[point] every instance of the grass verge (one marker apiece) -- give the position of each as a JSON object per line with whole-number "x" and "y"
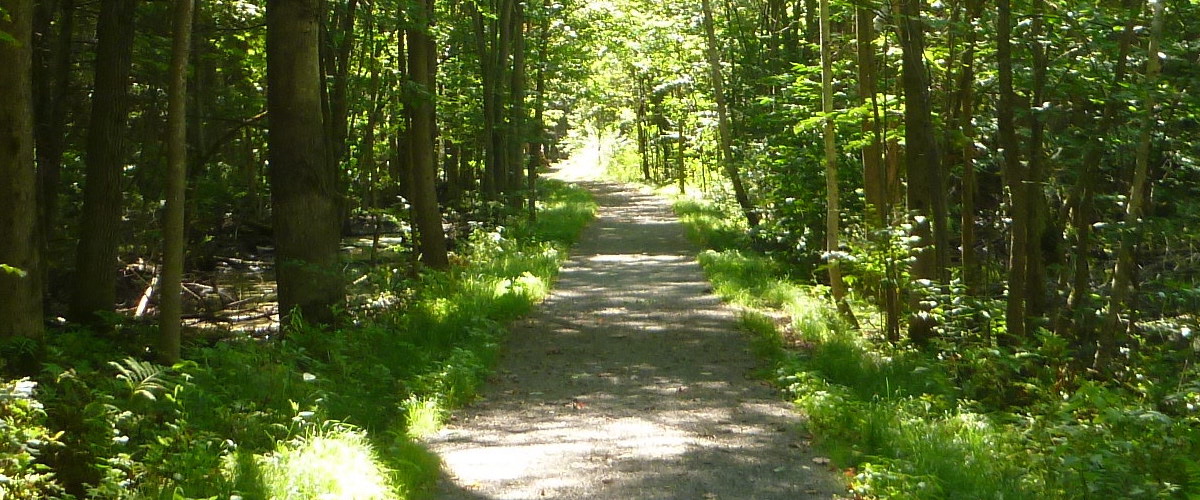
{"x": 899, "y": 423}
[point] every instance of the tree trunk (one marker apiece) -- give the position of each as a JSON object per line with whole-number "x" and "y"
{"x": 1083, "y": 192}
{"x": 875, "y": 175}
{"x": 304, "y": 191}
{"x": 1014, "y": 174}
{"x": 642, "y": 135}
{"x": 52, "y": 79}
{"x": 832, "y": 211}
{"x": 966, "y": 102}
{"x": 517, "y": 122}
{"x": 169, "y": 308}
{"x": 339, "y": 101}
{"x": 1122, "y": 281}
{"x": 96, "y": 259}
{"x": 20, "y": 276}
{"x": 926, "y": 181}
{"x": 538, "y": 154}
{"x": 1035, "y": 259}
{"x": 723, "y": 127}
{"x": 422, "y": 60}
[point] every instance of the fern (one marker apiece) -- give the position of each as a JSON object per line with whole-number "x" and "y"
{"x": 142, "y": 378}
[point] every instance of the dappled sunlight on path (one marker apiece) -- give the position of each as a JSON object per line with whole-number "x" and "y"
{"x": 630, "y": 382}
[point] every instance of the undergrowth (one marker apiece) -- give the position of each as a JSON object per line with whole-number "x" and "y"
{"x": 930, "y": 424}
{"x": 319, "y": 414}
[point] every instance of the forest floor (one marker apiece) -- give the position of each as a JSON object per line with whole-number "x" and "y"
{"x": 630, "y": 382}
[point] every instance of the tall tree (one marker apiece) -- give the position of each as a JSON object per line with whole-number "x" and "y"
{"x": 20, "y": 276}
{"x": 875, "y": 172}
{"x": 926, "y": 180}
{"x": 1014, "y": 174}
{"x": 304, "y": 192}
{"x": 518, "y": 124}
{"x": 1135, "y": 208}
{"x": 52, "y": 85}
{"x": 339, "y": 64}
{"x": 724, "y": 130}
{"x": 422, "y": 68}
{"x": 966, "y": 114}
{"x": 96, "y": 258}
{"x": 832, "y": 209}
{"x": 173, "y": 223}
{"x": 1083, "y": 192}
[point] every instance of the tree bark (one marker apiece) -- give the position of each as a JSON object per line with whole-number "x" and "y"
{"x": 52, "y": 79}
{"x": 926, "y": 181}
{"x": 518, "y": 126}
{"x": 1035, "y": 259}
{"x": 966, "y": 101}
{"x": 304, "y": 191}
{"x": 422, "y": 60}
{"x": 170, "y": 306}
{"x": 723, "y": 126}
{"x": 21, "y": 279}
{"x": 874, "y": 176}
{"x": 1014, "y": 174}
{"x": 537, "y": 157}
{"x": 96, "y": 258}
{"x": 339, "y": 100}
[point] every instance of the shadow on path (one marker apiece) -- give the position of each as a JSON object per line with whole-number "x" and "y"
{"x": 631, "y": 381}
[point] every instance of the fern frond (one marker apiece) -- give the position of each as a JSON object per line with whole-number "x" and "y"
{"x": 142, "y": 378}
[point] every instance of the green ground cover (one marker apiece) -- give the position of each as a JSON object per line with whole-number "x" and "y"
{"x": 907, "y": 423}
{"x": 322, "y": 413}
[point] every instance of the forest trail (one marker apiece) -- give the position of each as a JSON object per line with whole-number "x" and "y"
{"x": 630, "y": 382}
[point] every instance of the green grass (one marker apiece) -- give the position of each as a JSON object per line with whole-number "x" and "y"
{"x": 333, "y": 463}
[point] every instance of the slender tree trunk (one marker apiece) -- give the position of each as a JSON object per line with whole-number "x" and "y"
{"x": 52, "y": 80}
{"x": 96, "y": 258}
{"x": 832, "y": 209}
{"x": 173, "y": 223}
{"x": 304, "y": 191}
{"x": 1122, "y": 282}
{"x": 723, "y": 126}
{"x": 339, "y": 101}
{"x": 1016, "y": 176}
{"x": 1083, "y": 192}
{"x": 21, "y": 277}
{"x": 422, "y": 60}
{"x": 367, "y": 163}
{"x": 926, "y": 181}
{"x": 966, "y": 101}
{"x": 874, "y": 176}
{"x": 642, "y": 134}
{"x": 518, "y": 126}
{"x": 538, "y": 155}
{"x": 1035, "y": 260}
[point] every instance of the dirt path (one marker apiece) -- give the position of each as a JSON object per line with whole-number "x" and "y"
{"x": 630, "y": 382}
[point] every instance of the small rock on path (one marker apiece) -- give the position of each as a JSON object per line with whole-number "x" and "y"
{"x": 630, "y": 382}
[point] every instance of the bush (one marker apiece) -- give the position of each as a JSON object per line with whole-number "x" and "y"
{"x": 23, "y": 437}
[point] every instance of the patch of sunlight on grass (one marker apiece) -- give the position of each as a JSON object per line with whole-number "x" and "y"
{"x": 423, "y": 416}
{"x": 333, "y": 464}
{"x": 526, "y": 285}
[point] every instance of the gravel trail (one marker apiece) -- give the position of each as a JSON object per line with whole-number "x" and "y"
{"x": 630, "y": 382}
